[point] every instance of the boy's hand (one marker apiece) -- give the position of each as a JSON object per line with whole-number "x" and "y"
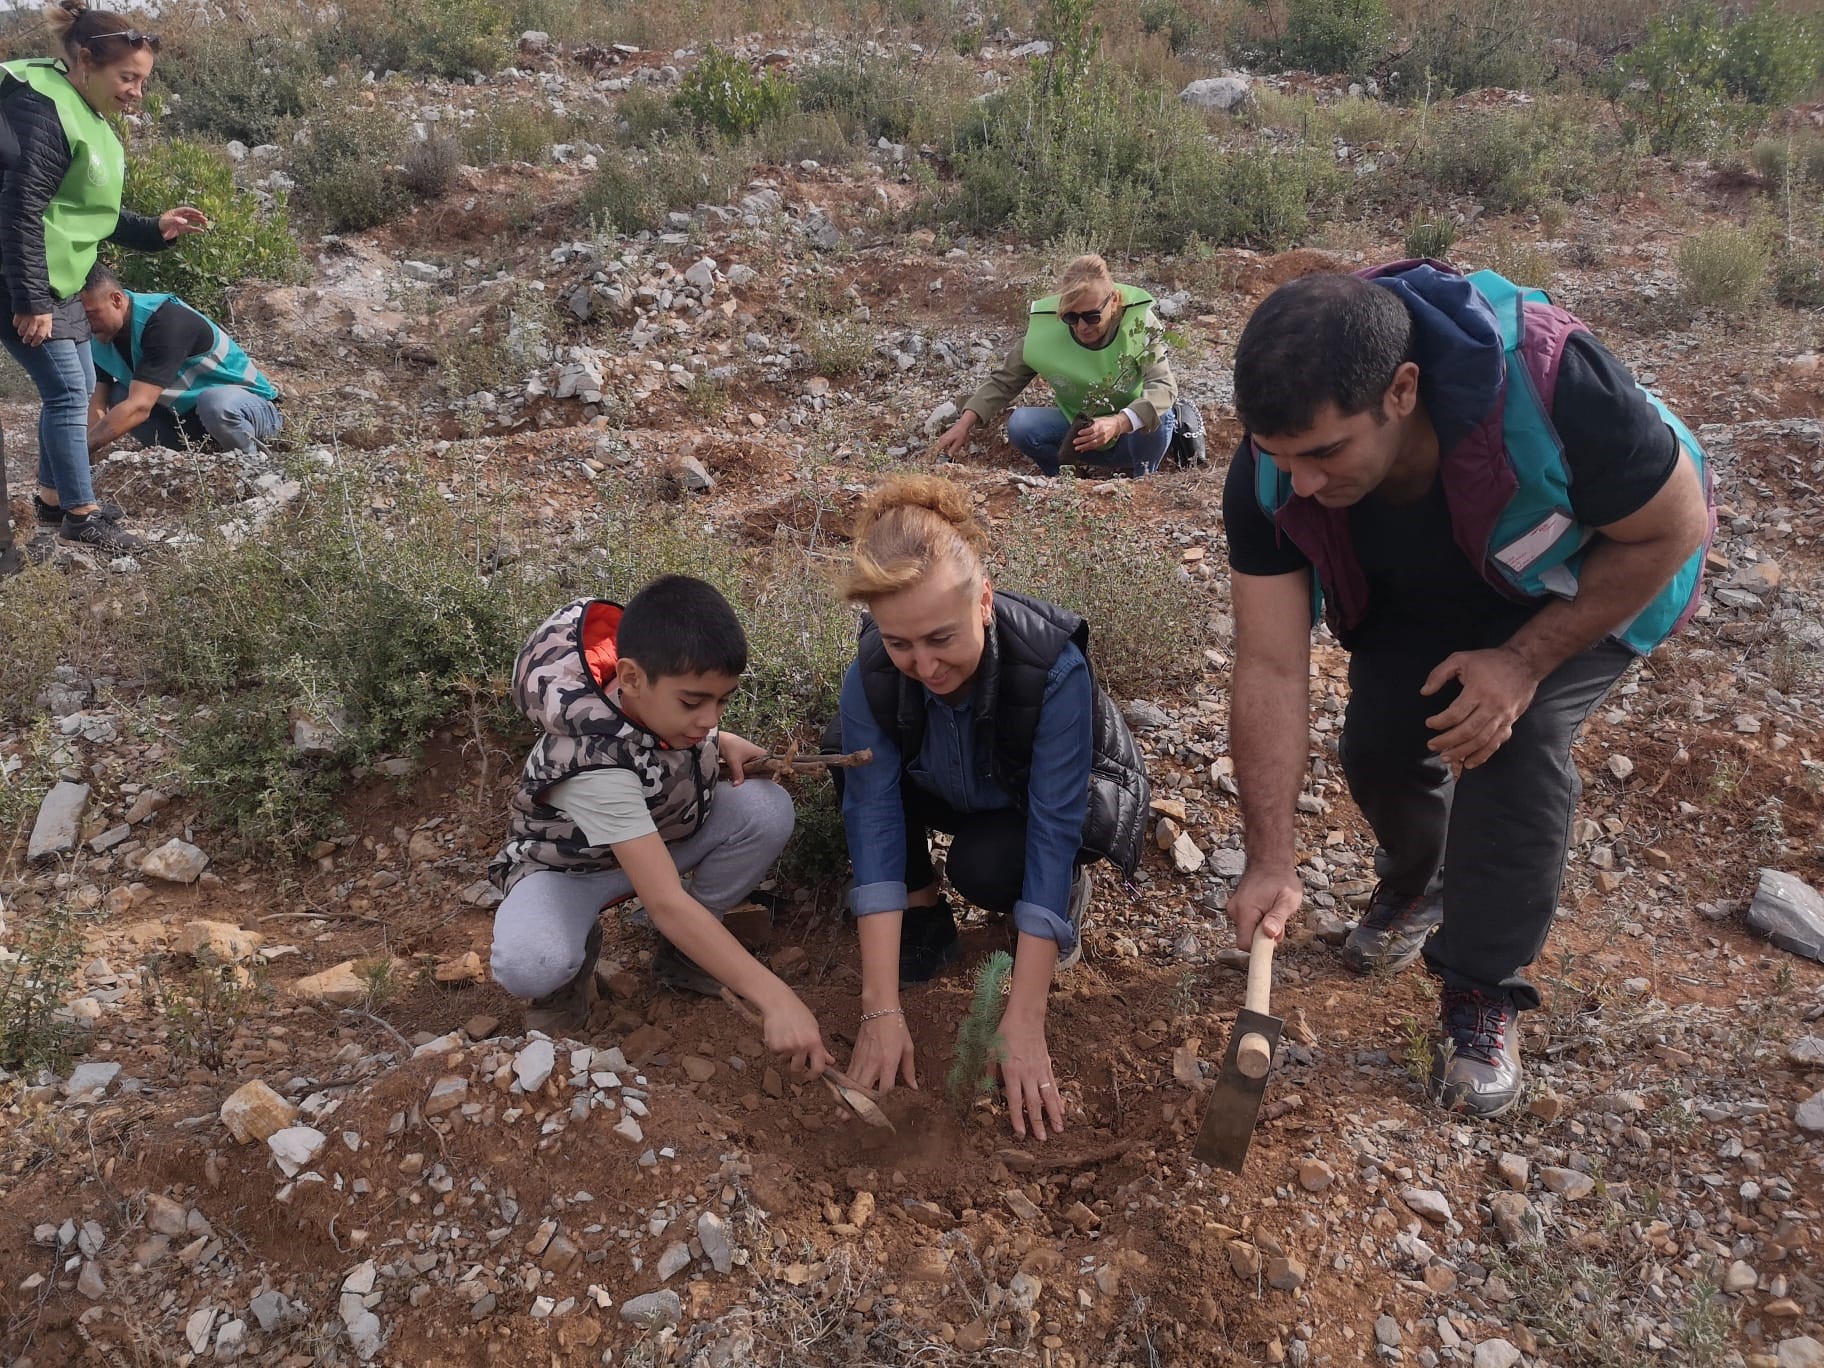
{"x": 740, "y": 753}
{"x": 789, "y": 1029}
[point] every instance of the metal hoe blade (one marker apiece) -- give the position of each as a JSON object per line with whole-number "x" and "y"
{"x": 1228, "y": 1125}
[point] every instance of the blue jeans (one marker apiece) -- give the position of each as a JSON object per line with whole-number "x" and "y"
{"x": 1036, "y": 432}
{"x": 233, "y": 416}
{"x": 64, "y": 375}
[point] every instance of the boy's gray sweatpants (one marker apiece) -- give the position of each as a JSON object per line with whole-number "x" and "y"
{"x": 540, "y": 929}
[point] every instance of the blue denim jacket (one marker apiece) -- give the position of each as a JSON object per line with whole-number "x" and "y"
{"x": 1057, "y": 794}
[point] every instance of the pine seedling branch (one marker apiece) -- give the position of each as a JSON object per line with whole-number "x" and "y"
{"x": 978, "y": 1039}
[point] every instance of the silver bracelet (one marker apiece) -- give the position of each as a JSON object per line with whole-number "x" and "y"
{"x": 866, "y": 1017}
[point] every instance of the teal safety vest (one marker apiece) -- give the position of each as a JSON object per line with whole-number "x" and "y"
{"x": 1532, "y": 547}
{"x": 223, "y": 364}
{"x": 86, "y": 208}
{"x": 1073, "y": 371}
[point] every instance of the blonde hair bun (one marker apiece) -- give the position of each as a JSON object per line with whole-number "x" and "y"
{"x": 62, "y": 15}
{"x": 906, "y": 528}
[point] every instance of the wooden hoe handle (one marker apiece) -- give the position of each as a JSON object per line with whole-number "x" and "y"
{"x": 1254, "y": 1056}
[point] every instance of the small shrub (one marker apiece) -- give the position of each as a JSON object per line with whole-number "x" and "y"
{"x": 205, "y": 1007}
{"x": 1066, "y": 550}
{"x": 634, "y": 190}
{"x": 244, "y": 241}
{"x": 430, "y": 166}
{"x": 819, "y": 849}
{"x": 1793, "y": 159}
{"x": 1431, "y": 237}
{"x": 1512, "y": 159}
{"x": 837, "y": 346}
{"x": 1359, "y": 122}
{"x": 1521, "y": 261}
{"x": 978, "y": 1036}
{"x": 35, "y": 1031}
{"x": 38, "y": 621}
{"x": 645, "y": 117}
{"x": 1456, "y": 46}
{"x": 451, "y": 39}
{"x": 346, "y": 173}
{"x": 1333, "y": 35}
{"x": 498, "y": 352}
{"x": 1798, "y": 278}
{"x": 722, "y": 93}
{"x": 1724, "y": 268}
{"x": 503, "y": 132}
{"x": 233, "y": 80}
{"x": 796, "y": 137}
{"x": 875, "y": 99}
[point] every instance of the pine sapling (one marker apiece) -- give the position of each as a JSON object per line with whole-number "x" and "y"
{"x": 978, "y": 1039}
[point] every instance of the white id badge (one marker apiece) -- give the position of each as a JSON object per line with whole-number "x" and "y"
{"x": 1519, "y": 555}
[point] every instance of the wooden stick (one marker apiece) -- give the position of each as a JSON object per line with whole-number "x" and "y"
{"x": 846, "y": 1090}
{"x": 792, "y": 763}
{"x": 1253, "y": 1056}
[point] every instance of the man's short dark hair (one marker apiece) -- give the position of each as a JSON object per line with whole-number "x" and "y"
{"x": 677, "y": 626}
{"x": 1321, "y": 339}
{"x": 101, "y": 278}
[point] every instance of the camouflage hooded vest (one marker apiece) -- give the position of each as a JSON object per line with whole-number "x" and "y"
{"x": 564, "y": 683}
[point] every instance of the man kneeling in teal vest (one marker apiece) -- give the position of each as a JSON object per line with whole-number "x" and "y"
{"x": 168, "y": 375}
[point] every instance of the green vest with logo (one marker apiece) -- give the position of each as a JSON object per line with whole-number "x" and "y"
{"x": 86, "y": 207}
{"x": 223, "y": 364}
{"x": 1076, "y": 373}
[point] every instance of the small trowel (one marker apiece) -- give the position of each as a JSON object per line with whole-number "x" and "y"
{"x": 1228, "y": 1126}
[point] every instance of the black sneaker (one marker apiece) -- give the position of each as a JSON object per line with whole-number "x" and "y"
{"x": 568, "y": 1008}
{"x": 679, "y": 972}
{"x": 1477, "y": 1065}
{"x": 92, "y": 529}
{"x": 51, "y": 515}
{"x": 927, "y": 941}
{"x": 1392, "y": 932}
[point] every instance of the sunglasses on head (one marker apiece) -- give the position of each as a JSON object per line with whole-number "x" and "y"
{"x": 1089, "y": 316}
{"x": 133, "y": 37}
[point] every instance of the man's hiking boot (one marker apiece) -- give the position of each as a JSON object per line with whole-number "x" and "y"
{"x": 92, "y": 529}
{"x": 567, "y": 1010}
{"x": 1477, "y": 1065}
{"x": 680, "y": 973}
{"x": 1392, "y": 932}
{"x": 927, "y": 941}
{"x": 51, "y": 515}
{"x": 1077, "y": 910}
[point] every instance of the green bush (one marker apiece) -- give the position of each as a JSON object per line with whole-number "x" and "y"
{"x": 39, "y": 618}
{"x": 646, "y": 117}
{"x": 1462, "y": 45}
{"x": 1514, "y": 158}
{"x": 1128, "y": 165}
{"x": 347, "y": 172}
{"x": 1724, "y": 268}
{"x": 877, "y": 99}
{"x": 505, "y": 132}
{"x": 1065, "y": 548}
{"x": 1795, "y": 159}
{"x": 634, "y": 190}
{"x": 1342, "y": 36}
{"x": 1432, "y": 236}
{"x": 445, "y": 38}
{"x": 430, "y": 166}
{"x": 36, "y": 1032}
{"x": 1798, "y": 278}
{"x": 233, "y": 80}
{"x": 244, "y": 241}
{"x": 1695, "y": 78}
{"x": 377, "y": 632}
{"x": 722, "y": 93}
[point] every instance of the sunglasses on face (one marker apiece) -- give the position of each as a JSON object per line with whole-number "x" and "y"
{"x": 134, "y": 38}
{"x": 1089, "y": 316}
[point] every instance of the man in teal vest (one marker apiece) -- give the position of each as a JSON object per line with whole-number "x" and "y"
{"x": 1496, "y": 521}
{"x": 168, "y": 375}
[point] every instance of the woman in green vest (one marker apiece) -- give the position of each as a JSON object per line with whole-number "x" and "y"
{"x": 1098, "y": 346}
{"x": 59, "y": 202}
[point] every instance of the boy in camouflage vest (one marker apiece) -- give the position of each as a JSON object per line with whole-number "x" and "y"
{"x": 621, "y": 797}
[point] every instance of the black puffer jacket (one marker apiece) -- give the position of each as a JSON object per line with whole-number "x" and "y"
{"x": 1024, "y": 643}
{"x": 32, "y": 178}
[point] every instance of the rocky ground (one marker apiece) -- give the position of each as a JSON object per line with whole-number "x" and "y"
{"x": 353, "y": 1152}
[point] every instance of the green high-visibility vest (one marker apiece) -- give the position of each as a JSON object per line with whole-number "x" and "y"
{"x": 223, "y": 364}
{"x": 86, "y": 208}
{"x": 1073, "y": 370}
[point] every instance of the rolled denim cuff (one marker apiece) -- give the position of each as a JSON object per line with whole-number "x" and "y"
{"x": 1034, "y": 920}
{"x": 867, "y": 899}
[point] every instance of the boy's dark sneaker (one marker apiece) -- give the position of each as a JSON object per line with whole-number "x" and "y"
{"x": 51, "y": 515}
{"x": 568, "y": 1008}
{"x": 750, "y": 922}
{"x": 1077, "y": 910}
{"x": 92, "y": 529}
{"x": 1392, "y": 931}
{"x": 680, "y": 973}
{"x": 927, "y": 941}
{"x": 1477, "y": 1065}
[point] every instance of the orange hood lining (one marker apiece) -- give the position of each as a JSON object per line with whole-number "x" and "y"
{"x": 601, "y": 630}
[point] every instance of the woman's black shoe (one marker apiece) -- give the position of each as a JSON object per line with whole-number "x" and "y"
{"x": 927, "y": 942}
{"x": 51, "y": 515}
{"x": 92, "y": 529}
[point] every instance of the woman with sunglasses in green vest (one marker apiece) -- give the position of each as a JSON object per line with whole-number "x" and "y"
{"x": 1099, "y": 347}
{"x": 59, "y": 202}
